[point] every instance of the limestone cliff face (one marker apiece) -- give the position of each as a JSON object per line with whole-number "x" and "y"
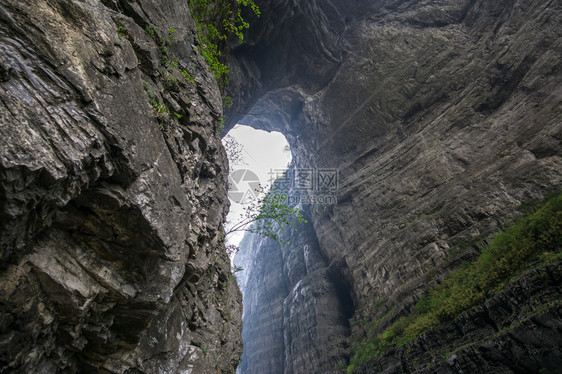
{"x": 296, "y": 309}
{"x": 442, "y": 117}
{"x": 112, "y": 193}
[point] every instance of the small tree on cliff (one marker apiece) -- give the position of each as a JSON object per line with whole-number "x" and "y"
{"x": 268, "y": 216}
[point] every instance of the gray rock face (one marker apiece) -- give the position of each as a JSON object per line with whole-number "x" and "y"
{"x": 518, "y": 330}
{"x": 442, "y": 117}
{"x": 296, "y": 311}
{"x": 111, "y": 205}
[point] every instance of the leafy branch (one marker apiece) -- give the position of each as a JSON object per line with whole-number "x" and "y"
{"x": 216, "y": 21}
{"x": 233, "y": 150}
{"x": 269, "y": 216}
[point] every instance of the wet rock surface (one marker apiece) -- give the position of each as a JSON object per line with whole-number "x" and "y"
{"x": 441, "y": 117}
{"x": 111, "y": 210}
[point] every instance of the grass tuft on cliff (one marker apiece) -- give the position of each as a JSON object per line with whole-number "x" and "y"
{"x": 534, "y": 236}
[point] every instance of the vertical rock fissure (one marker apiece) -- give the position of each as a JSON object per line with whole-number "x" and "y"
{"x": 311, "y": 301}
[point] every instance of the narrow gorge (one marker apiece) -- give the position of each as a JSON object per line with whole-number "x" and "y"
{"x": 419, "y": 130}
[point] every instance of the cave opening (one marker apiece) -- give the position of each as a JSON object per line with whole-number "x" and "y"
{"x": 256, "y": 158}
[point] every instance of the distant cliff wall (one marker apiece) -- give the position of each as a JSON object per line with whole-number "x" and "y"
{"x": 296, "y": 310}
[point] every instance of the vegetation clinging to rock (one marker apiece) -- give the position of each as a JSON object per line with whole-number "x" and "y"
{"x": 217, "y": 21}
{"x": 531, "y": 237}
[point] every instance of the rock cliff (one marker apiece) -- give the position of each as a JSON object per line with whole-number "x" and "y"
{"x": 442, "y": 118}
{"x": 296, "y": 310}
{"x": 112, "y": 193}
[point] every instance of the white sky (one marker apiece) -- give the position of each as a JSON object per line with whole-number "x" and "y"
{"x": 262, "y": 153}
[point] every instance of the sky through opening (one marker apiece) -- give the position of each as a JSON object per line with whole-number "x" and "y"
{"x": 255, "y": 156}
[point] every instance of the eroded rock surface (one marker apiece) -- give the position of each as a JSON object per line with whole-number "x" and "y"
{"x": 112, "y": 184}
{"x": 517, "y": 330}
{"x": 442, "y": 117}
{"x": 296, "y": 310}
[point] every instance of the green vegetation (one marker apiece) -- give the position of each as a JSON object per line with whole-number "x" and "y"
{"x": 463, "y": 246}
{"x": 163, "y": 114}
{"x": 269, "y": 216}
{"x": 151, "y": 30}
{"x": 188, "y": 77}
{"x": 151, "y": 96}
{"x": 236, "y": 269}
{"x": 170, "y": 61}
{"x": 228, "y": 282}
{"x": 122, "y": 31}
{"x": 216, "y": 21}
{"x": 275, "y": 216}
{"x": 221, "y": 124}
{"x": 227, "y": 101}
{"x": 172, "y": 74}
{"x": 532, "y": 237}
{"x": 161, "y": 109}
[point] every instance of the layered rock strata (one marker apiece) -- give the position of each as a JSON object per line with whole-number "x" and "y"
{"x": 442, "y": 117}
{"x": 112, "y": 193}
{"x": 517, "y": 330}
{"x": 296, "y": 310}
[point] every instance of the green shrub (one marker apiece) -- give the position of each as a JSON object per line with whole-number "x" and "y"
{"x": 216, "y": 20}
{"x": 530, "y": 238}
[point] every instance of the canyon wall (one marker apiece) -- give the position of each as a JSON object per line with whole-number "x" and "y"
{"x": 112, "y": 193}
{"x": 296, "y": 309}
{"x": 442, "y": 119}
